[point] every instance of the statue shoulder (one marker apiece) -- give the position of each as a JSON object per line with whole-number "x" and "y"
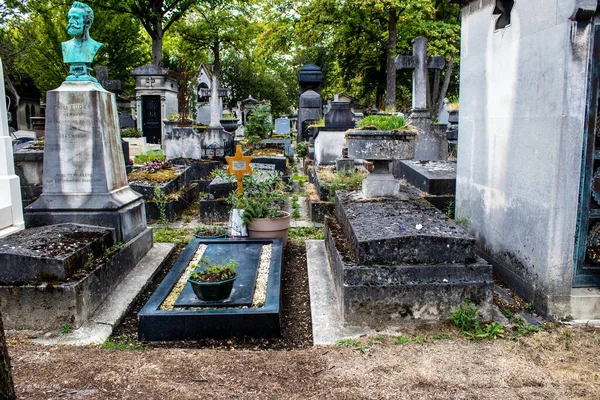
{"x": 96, "y": 45}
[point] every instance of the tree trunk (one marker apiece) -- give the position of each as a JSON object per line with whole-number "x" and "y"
{"x": 7, "y": 390}
{"x": 390, "y": 94}
{"x": 157, "y": 43}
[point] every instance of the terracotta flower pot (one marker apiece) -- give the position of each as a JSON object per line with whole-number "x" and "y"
{"x": 270, "y": 227}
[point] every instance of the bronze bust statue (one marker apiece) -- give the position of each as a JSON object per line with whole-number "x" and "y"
{"x": 80, "y": 51}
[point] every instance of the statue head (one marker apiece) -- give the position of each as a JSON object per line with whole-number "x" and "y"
{"x": 81, "y": 17}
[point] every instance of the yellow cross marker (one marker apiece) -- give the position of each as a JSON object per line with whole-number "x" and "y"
{"x": 239, "y": 165}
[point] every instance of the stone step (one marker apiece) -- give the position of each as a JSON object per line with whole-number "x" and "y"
{"x": 394, "y": 231}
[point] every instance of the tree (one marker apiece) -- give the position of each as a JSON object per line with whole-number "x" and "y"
{"x": 156, "y": 16}
{"x": 7, "y": 389}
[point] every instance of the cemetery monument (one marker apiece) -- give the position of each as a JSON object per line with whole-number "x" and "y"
{"x": 527, "y": 173}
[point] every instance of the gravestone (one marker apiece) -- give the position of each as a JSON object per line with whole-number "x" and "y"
{"x": 125, "y": 120}
{"x": 102, "y": 76}
{"x": 331, "y": 138}
{"x": 310, "y": 104}
{"x": 432, "y": 143}
{"x": 11, "y": 211}
{"x": 282, "y": 126}
{"x": 183, "y": 143}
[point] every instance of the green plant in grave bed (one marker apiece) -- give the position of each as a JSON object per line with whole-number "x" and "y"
{"x": 261, "y": 198}
{"x": 354, "y": 344}
{"x": 213, "y": 272}
{"x": 466, "y": 318}
{"x": 65, "y": 329}
{"x": 161, "y": 203}
{"x": 149, "y": 157}
{"x": 383, "y": 122}
{"x": 180, "y": 237}
{"x": 131, "y": 133}
{"x": 350, "y": 181}
{"x": 259, "y": 123}
{"x": 302, "y": 149}
{"x": 401, "y": 340}
{"x": 306, "y": 233}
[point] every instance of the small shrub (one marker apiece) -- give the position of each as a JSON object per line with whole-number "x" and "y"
{"x": 259, "y": 123}
{"x": 65, "y": 329}
{"x": 401, "y": 340}
{"x": 302, "y": 149}
{"x": 466, "y": 318}
{"x": 150, "y": 156}
{"x": 383, "y": 122}
{"x": 131, "y": 133}
{"x": 213, "y": 272}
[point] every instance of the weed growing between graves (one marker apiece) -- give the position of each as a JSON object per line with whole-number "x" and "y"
{"x": 161, "y": 202}
{"x": 127, "y": 345}
{"x": 65, "y": 329}
{"x": 354, "y": 344}
{"x": 295, "y": 207}
{"x": 306, "y": 233}
{"x": 181, "y": 237}
{"x": 152, "y": 155}
{"x": 401, "y": 340}
{"x": 466, "y": 318}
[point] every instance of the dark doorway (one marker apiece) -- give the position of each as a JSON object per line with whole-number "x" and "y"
{"x": 587, "y": 250}
{"x": 151, "y": 119}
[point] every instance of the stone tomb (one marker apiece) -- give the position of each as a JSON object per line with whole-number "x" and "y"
{"x": 63, "y": 253}
{"x": 396, "y": 260}
{"x": 84, "y": 172}
{"x": 437, "y": 179}
{"x": 172, "y": 313}
{"x": 182, "y": 143}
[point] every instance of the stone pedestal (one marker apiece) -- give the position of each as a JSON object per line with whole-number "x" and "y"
{"x": 380, "y": 182}
{"x": 11, "y": 212}
{"x": 216, "y": 143}
{"x": 84, "y": 170}
{"x": 432, "y": 143}
{"x": 344, "y": 165}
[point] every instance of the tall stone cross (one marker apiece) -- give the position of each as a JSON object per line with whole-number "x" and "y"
{"x": 102, "y": 76}
{"x": 420, "y": 63}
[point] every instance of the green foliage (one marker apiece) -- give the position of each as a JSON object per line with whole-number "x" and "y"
{"x": 351, "y": 181}
{"x": 123, "y": 345}
{"x": 302, "y": 149}
{"x": 65, "y": 329}
{"x": 377, "y": 339}
{"x": 258, "y": 121}
{"x": 114, "y": 248}
{"x": 161, "y": 202}
{"x": 383, "y": 122}
{"x": 401, "y": 340}
{"x": 462, "y": 220}
{"x": 295, "y": 207}
{"x": 149, "y": 157}
{"x": 466, "y": 318}
{"x": 131, "y": 133}
{"x": 209, "y": 272}
{"x": 223, "y": 175}
{"x": 262, "y": 197}
{"x": 306, "y": 233}
{"x": 180, "y": 237}
{"x": 354, "y": 344}
{"x": 440, "y": 336}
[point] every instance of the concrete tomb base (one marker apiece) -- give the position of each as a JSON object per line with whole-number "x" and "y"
{"x": 71, "y": 300}
{"x": 394, "y": 261}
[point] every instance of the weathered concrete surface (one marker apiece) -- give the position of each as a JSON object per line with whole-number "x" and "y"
{"x": 328, "y": 146}
{"x": 49, "y": 307}
{"x": 395, "y": 231}
{"x": 54, "y": 251}
{"x": 381, "y": 145}
{"x": 182, "y": 143}
{"x": 382, "y": 296}
{"x": 110, "y": 313}
{"x": 522, "y": 121}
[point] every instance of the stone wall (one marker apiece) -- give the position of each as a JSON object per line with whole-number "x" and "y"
{"x": 522, "y": 109}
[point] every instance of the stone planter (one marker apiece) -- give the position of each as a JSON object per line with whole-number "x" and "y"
{"x": 212, "y": 291}
{"x": 270, "y": 227}
{"x": 229, "y": 124}
{"x": 381, "y": 147}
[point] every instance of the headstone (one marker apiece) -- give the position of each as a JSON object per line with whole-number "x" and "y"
{"x": 310, "y": 109}
{"x": 432, "y": 143}
{"x": 182, "y": 143}
{"x": 344, "y": 165}
{"x": 282, "y": 126}
{"x": 216, "y": 143}
{"x": 339, "y": 117}
{"x": 443, "y": 115}
{"x": 102, "y": 76}
{"x": 125, "y": 120}
{"x": 11, "y": 211}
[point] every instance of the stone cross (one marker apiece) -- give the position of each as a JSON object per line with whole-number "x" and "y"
{"x": 150, "y": 80}
{"x": 419, "y": 63}
{"x": 102, "y": 76}
{"x": 239, "y": 165}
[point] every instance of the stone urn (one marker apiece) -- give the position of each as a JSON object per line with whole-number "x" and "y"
{"x": 229, "y": 124}
{"x": 381, "y": 147}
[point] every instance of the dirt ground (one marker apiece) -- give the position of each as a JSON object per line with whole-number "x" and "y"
{"x": 561, "y": 364}
{"x": 438, "y": 363}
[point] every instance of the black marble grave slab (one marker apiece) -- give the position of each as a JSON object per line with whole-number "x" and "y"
{"x": 248, "y": 257}
{"x": 433, "y": 177}
{"x": 156, "y": 324}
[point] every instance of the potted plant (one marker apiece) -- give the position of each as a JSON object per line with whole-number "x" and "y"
{"x": 212, "y": 282}
{"x": 261, "y": 202}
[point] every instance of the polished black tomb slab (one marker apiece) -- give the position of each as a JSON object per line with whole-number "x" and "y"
{"x": 157, "y": 323}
